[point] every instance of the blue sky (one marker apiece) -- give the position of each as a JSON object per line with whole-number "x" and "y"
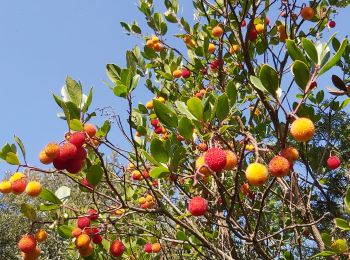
{"x": 41, "y": 42}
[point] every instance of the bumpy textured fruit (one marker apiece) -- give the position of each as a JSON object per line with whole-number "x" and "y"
{"x": 256, "y": 174}
{"x": 197, "y": 206}
{"x": 290, "y": 153}
{"x": 185, "y": 73}
{"x": 117, "y": 248}
{"x": 67, "y": 151}
{"x": 307, "y": 13}
{"x": 156, "y": 248}
{"x": 217, "y": 31}
{"x": 120, "y": 212}
{"x": 5, "y": 187}
{"x": 200, "y": 166}
{"x": 333, "y": 162}
{"x": 76, "y": 232}
{"x": 177, "y": 74}
{"x": 41, "y": 235}
{"x": 252, "y": 35}
{"x": 33, "y": 188}
{"x": 33, "y": 255}
{"x": 136, "y": 175}
{"x": 93, "y": 214}
{"x": 82, "y": 241}
{"x": 52, "y": 150}
{"x": 18, "y": 186}
{"x": 77, "y": 138}
{"x": 17, "y": 176}
{"x": 90, "y": 130}
{"x": 331, "y": 24}
{"x": 158, "y": 47}
{"x": 27, "y": 243}
{"x": 147, "y": 248}
{"x": 74, "y": 166}
{"x": 211, "y": 48}
{"x": 231, "y": 160}
{"x": 86, "y": 251}
{"x": 215, "y": 158}
{"x": 59, "y": 163}
{"x": 81, "y": 154}
{"x": 279, "y": 166}
{"x": 302, "y": 129}
{"x": 44, "y": 159}
{"x": 83, "y": 222}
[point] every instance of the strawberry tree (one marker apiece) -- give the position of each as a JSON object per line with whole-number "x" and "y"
{"x": 238, "y": 154}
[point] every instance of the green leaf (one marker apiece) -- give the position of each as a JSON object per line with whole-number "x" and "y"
{"x": 120, "y": 89}
{"x": 28, "y": 211}
{"x": 88, "y": 100}
{"x": 158, "y": 151}
{"x": 180, "y": 235}
{"x": 257, "y": 83}
{"x": 181, "y": 106}
{"x": 48, "y": 207}
{"x": 196, "y": 108}
{"x": 21, "y": 146}
{"x": 342, "y": 224}
{"x": 269, "y": 79}
{"x": 63, "y": 193}
{"x": 12, "y": 158}
{"x": 324, "y": 253}
{"x": 294, "y": 51}
{"x": 74, "y": 90}
{"x": 222, "y": 107}
{"x": 347, "y": 198}
{"x": 301, "y": 74}
{"x": 49, "y": 196}
{"x": 310, "y": 50}
{"x": 327, "y": 239}
{"x": 76, "y": 125}
{"x": 231, "y": 92}
{"x": 64, "y": 107}
{"x": 166, "y": 115}
{"x": 150, "y": 158}
{"x": 113, "y": 72}
{"x": 335, "y": 58}
{"x": 159, "y": 172}
{"x": 104, "y": 129}
{"x": 94, "y": 174}
{"x": 186, "y": 128}
{"x": 65, "y": 231}
{"x": 134, "y": 82}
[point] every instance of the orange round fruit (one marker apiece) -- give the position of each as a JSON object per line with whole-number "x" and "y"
{"x": 44, "y": 159}
{"x": 279, "y": 166}
{"x": 90, "y": 130}
{"x": 156, "y": 248}
{"x": 177, "y": 74}
{"x": 302, "y": 129}
{"x": 231, "y": 160}
{"x": 200, "y": 166}
{"x": 5, "y": 187}
{"x": 82, "y": 241}
{"x": 259, "y": 28}
{"x": 307, "y": 13}
{"x": 41, "y": 235}
{"x": 150, "y": 44}
{"x": 52, "y": 150}
{"x": 290, "y": 153}
{"x": 33, "y": 255}
{"x": 234, "y": 48}
{"x": 86, "y": 251}
{"x": 256, "y": 174}
{"x": 211, "y": 48}
{"x": 217, "y": 31}
{"x": 27, "y": 243}
{"x": 33, "y": 188}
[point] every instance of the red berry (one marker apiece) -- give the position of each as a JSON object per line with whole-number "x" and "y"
{"x": 155, "y": 122}
{"x": 117, "y": 248}
{"x": 204, "y": 71}
{"x": 331, "y": 24}
{"x": 86, "y": 183}
{"x": 158, "y": 130}
{"x": 252, "y": 35}
{"x": 83, "y": 222}
{"x": 59, "y": 164}
{"x": 93, "y": 214}
{"x": 148, "y": 248}
{"x": 74, "y": 166}
{"x": 313, "y": 84}
{"x": 185, "y": 73}
{"x": 197, "y": 206}
{"x": 81, "y": 154}
{"x": 19, "y": 186}
{"x": 97, "y": 239}
{"x": 215, "y": 158}
{"x": 67, "y": 151}
{"x": 27, "y": 244}
{"x": 333, "y": 162}
{"x": 77, "y": 138}
{"x": 243, "y": 24}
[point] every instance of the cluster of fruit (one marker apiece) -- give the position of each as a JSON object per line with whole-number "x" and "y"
{"x": 17, "y": 184}
{"x": 147, "y": 202}
{"x": 152, "y": 248}
{"x": 154, "y": 44}
{"x": 71, "y": 154}
{"x": 158, "y": 129}
{"x": 28, "y": 245}
{"x": 185, "y": 73}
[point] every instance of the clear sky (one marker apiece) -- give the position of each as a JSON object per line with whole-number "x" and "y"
{"x": 41, "y": 42}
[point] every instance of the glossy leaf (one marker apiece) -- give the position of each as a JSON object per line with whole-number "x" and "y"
{"x": 158, "y": 151}
{"x": 65, "y": 231}
{"x": 21, "y": 146}
{"x": 342, "y": 224}
{"x": 301, "y": 74}
{"x": 49, "y": 196}
{"x": 76, "y": 125}
{"x": 269, "y": 79}
{"x": 94, "y": 174}
{"x": 196, "y": 108}
{"x": 222, "y": 107}
{"x": 294, "y": 51}
{"x": 166, "y": 115}
{"x": 335, "y": 58}
{"x": 159, "y": 172}
{"x": 310, "y": 50}
{"x": 74, "y": 90}
{"x": 186, "y": 128}
{"x": 257, "y": 83}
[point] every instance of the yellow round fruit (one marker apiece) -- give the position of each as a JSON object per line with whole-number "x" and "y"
{"x": 44, "y": 159}
{"x": 259, "y": 28}
{"x": 33, "y": 188}
{"x": 177, "y": 74}
{"x": 307, "y": 13}
{"x": 86, "y": 251}
{"x": 155, "y": 39}
{"x": 52, "y": 150}
{"x": 17, "y": 176}
{"x": 249, "y": 147}
{"x": 120, "y": 212}
{"x": 142, "y": 200}
{"x": 33, "y": 255}
{"x": 200, "y": 166}
{"x": 150, "y": 44}
{"x": 82, "y": 241}
{"x": 256, "y": 174}
{"x": 149, "y": 198}
{"x": 161, "y": 99}
{"x": 234, "y": 49}
{"x": 211, "y": 48}
{"x": 149, "y": 104}
{"x": 302, "y": 129}
{"x": 231, "y": 160}
{"x": 41, "y": 235}
{"x": 5, "y": 187}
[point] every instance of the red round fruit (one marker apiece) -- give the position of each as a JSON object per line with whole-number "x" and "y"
{"x": 90, "y": 130}
{"x": 197, "y": 206}
{"x": 59, "y": 164}
{"x": 185, "y": 73}
{"x": 97, "y": 239}
{"x": 252, "y": 35}
{"x": 215, "y": 158}
{"x": 93, "y": 214}
{"x": 204, "y": 71}
{"x": 86, "y": 183}
{"x": 148, "y": 248}
{"x": 313, "y": 84}
{"x": 83, "y": 222}
{"x": 333, "y": 162}
{"x": 27, "y": 244}
{"x": 18, "y": 186}
{"x": 77, "y": 138}
{"x": 158, "y": 130}
{"x": 67, "y": 151}
{"x": 331, "y": 24}
{"x": 117, "y": 248}
{"x": 81, "y": 154}
{"x": 243, "y": 24}
{"x": 74, "y": 166}
{"x": 155, "y": 122}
